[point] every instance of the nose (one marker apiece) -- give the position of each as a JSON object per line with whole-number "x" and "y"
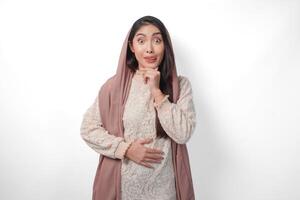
{"x": 149, "y": 51}
{"x": 149, "y": 48}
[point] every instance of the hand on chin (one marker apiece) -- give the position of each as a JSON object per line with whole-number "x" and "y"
{"x": 148, "y": 67}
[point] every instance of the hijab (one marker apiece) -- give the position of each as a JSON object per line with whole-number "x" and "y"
{"x": 112, "y": 99}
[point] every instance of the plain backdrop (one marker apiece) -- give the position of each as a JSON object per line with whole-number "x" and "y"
{"x": 243, "y": 61}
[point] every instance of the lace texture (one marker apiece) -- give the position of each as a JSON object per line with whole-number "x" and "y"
{"x": 178, "y": 120}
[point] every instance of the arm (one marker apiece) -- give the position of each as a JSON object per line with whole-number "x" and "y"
{"x": 98, "y": 138}
{"x": 178, "y": 120}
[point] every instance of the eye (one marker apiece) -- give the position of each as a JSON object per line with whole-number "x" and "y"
{"x": 157, "y": 40}
{"x": 140, "y": 41}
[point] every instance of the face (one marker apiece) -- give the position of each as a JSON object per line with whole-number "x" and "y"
{"x": 148, "y": 46}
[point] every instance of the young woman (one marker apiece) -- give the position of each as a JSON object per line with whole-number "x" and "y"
{"x": 141, "y": 120}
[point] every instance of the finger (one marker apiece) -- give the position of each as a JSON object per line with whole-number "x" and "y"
{"x": 146, "y": 71}
{"x": 151, "y": 74}
{"x": 146, "y": 164}
{"x": 143, "y": 70}
{"x": 154, "y": 151}
{"x": 148, "y": 76}
{"x": 154, "y": 157}
{"x": 150, "y": 71}
{"x": 146, "y": 141}
{"x": 140, "y": 72}
{"x": 151, "y": 160}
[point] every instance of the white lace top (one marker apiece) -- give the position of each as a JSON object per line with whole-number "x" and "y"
{"x": 178, "y": 120}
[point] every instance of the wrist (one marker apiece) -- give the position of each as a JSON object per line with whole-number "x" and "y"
{"x": 158, "y": 97}
{"x": 127, "y": 149}
{"x": 121, "y": 149}
{"x": 156, "y": 93}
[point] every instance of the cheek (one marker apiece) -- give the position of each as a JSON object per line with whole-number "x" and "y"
{"x": 138, "y": 51}
{"x": 160, "y": 51}
{"x": 139, "y": 55}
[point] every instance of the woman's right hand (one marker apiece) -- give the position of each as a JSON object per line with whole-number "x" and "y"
{"x": 142, "y": 155}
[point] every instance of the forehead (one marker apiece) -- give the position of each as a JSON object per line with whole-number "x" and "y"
{"x": 148, "y": 30}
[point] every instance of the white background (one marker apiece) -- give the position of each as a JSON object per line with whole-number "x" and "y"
{"x": 242, "y": 58}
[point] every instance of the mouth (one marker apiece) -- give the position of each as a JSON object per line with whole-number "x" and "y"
{"x": 150, "y": 59}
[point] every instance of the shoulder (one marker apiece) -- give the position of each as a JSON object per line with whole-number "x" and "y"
{"x": 185, "y": 90}
{"x": 106, "y": 86}
{"x": 184, "y": 82}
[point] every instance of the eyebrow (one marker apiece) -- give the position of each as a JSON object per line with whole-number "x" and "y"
{"x": 156, "y": 33}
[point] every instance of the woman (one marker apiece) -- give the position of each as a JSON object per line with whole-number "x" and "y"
{"x": 140, "y": 121}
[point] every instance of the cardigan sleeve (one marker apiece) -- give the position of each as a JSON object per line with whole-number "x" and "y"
{"x": 178, "y": 119}
{"x": 98, "y": 138}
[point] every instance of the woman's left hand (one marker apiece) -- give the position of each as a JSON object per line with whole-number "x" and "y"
{"x": 151, "y": 77}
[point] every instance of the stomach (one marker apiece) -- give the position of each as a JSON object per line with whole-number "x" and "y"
{"x": 146, "y": 183}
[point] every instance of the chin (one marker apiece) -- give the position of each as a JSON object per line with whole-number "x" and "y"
{"x": 153, "y": 66}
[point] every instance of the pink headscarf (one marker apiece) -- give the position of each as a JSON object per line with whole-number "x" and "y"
{"x": 112, "y": 98}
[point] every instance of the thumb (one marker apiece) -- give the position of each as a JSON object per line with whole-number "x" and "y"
{"x": 146, "y": 141}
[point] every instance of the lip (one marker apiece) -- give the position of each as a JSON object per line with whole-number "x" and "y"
{"x": 150, "y": 59}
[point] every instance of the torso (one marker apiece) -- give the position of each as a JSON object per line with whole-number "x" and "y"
{"x": 140, "y": 182}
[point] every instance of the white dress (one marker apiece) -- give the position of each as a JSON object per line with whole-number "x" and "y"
{"x": 178, "y": 120}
